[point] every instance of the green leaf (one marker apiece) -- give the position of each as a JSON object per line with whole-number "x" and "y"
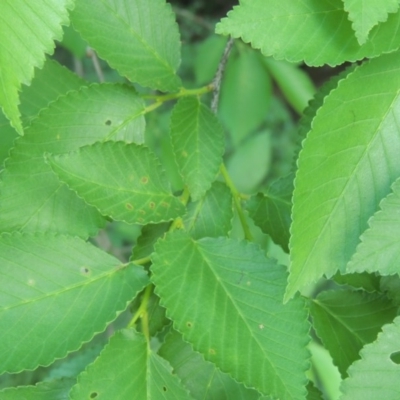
{"x": 346, "y": 167}
{"x": 212, "y": 215}
{"x": 346, "y": 320}
{"x": 128, "y": 370}
{"x": 313, "y": 392}
{"x": 323, "y": 34}
{"x": 57, "y": 292}
{"x": 140, "y": 39}
{"x": 27, "y": 32}
{"x": 226, "y": 299}
{"x": 146, "y": 241}
{"x": 379, "y": 247}
{"x": 124, "y": 181}
{"x": 31, "y": 197}
{"x": 363, "y": 280}
{"x": 271, "y": 210}
{"x": 245, "y": 94}
{"x": 366, "y": 14}
{"x": 53, "y": 390}
{"x": 202, "y": 378}
{"x": 198, "y": 142}
{"x": 376, "y": 375}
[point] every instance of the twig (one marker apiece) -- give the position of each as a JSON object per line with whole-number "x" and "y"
{"x": 218, "y": 76}
{"x": 96, "y": 64}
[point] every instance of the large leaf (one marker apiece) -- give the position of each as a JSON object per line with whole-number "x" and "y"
{"x": 53, "y": 390}
{"x": 149, "y": 236}
{"x": 128, "y": 370}
{"x": 124, "y": 181}
{"x": 202, "y": 378}
{"x": 379, "y": 249}
{"x": 139, "y": 38}
{"x": 271, "y": 210}
{"x": 347, "y": 320}
{"x": 212, "y": 215}
{"x": 365, "y": 14}
{"x": 376, "y": 375}
{"x": 56, "y": 293}
{"x": 346, "y": 167}
{"x": 198, "y": 142}
{"x": 225, "y": 297}
{"x": 31, "y": 197}
{"x": 323, "y": 34}
{"x": 27, "y": 32}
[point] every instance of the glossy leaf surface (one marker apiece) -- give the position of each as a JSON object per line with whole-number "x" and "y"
{"x": 27, "y": 33}
{"x": 226, "y": 299}
{"x": 198, "y": 141}
{"x": 127, "y": 370}
{"x": 140, "y": 39}
{"x": 124, "y": 181}
{"x": 323, "y": 32}
{"x": 346, "y": 167}
{"x": 56, "y": 293}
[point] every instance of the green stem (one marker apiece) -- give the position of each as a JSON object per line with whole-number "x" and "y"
{"x": 182, "y": 93}
{"x": 142, "y": 312}
{"x": 238, "y": 204}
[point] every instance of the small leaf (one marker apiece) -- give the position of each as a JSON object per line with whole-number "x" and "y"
{"x": 53, "y": 390}
{"x": 128, "y": 370}
{"x": 124, "y": 181}
{"x": 313, "y": 392}
{"x": 376, "y": 375}
{"x": 346, "y": 320}
{"x": 32, "y": 199}
{"x": 212, "y": 215}
{"x": 27, "y": 32}
{"x": 366, "y": 14}
{"x": 198, "y": 142}
{"x": 323, "y": 34}
{"x": 346, "y": 167}
{"x": 202, "y": 378}
{"x": 271, "y": 211}
{"x": 139, "y": 38}
{"x": 226, "y": 299}
{"x": 57, "y": 292}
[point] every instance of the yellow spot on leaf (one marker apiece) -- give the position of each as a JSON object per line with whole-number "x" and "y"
{"x": 31, "y": 282}
{"x": 129, "y": 206}
{"x": 144, "y": 180}
{"x": 152, "y": 205}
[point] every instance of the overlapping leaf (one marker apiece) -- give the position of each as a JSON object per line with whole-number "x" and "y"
{"x": 27, "y": 32}
{"x": 146, "y": 241}
{"x": 323, "y": 33}
{"x": 139, "y": 38}
{"x": 376, "y": 375}
{"x": 347, "y": 320}
{"x": 366, "y": 14}
{"x": 31, "y": 197}
{"x": 346, "y": 167}
{"x": 271, "y": 210}
{"x": 225, "y": 297}
{"x": 128, "y": 370}
{"x": 56, "y": 293}
{"x": 198, "y": 142}
{"x": 124, "y": 181}
{"x": 212, "y": 215}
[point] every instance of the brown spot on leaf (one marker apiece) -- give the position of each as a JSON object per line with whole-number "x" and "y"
{"x": 108, "y": 122}
{"x": 152, "y": 205}
{"x": 129, "y": 206}
{"x": 144, "y": 180}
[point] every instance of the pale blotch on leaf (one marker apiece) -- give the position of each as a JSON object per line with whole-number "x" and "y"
{"x": 184, "y": 154}
{"x": 31, "y": 282}
{"x": 189, "y": 324}
{"x": 58, "y": 137}
{"x": 212, "y": 352}
{"x": 142, "y": 212}
{"x": 129, "y": 206}
{"x": 144, "y": 180}
{"x": 164, "y": 204}
{"x": 85, "y": 271}
{"x": 261, "y": 326}
{"x": 152, "y": 205}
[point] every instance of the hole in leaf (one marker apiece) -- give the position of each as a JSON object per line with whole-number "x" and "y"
{"x": 164, "y": 388}
{"x": 395, "y": 357}
{"x": 93, "y": 395}
{"x": 108, "y": 122}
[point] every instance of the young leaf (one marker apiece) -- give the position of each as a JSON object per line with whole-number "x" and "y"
{"x": 345, "y": 168}
{"x": 316, "y": 32}
{"x": 212, "y": 215}
{"x": 128, "y": 370}
{"x": 379, "y": 248}
{"x": 226, "y": 299}
{"x": 375, "y": 376}
{"x": 27, "y": 32}
{"x": 139, "y": 38}
{"x": 346, "y": 320}
{"x": 53, "y": 390}
{"x": 57, "y": 292}
{"x": 202, "y": 378}
{"x": 124, "y": 181}
{"x": 366, "y": 14}
{"x": 271, "y": 210}
{"x": 198, "y": 142}
{"x": 32, "y": 198}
